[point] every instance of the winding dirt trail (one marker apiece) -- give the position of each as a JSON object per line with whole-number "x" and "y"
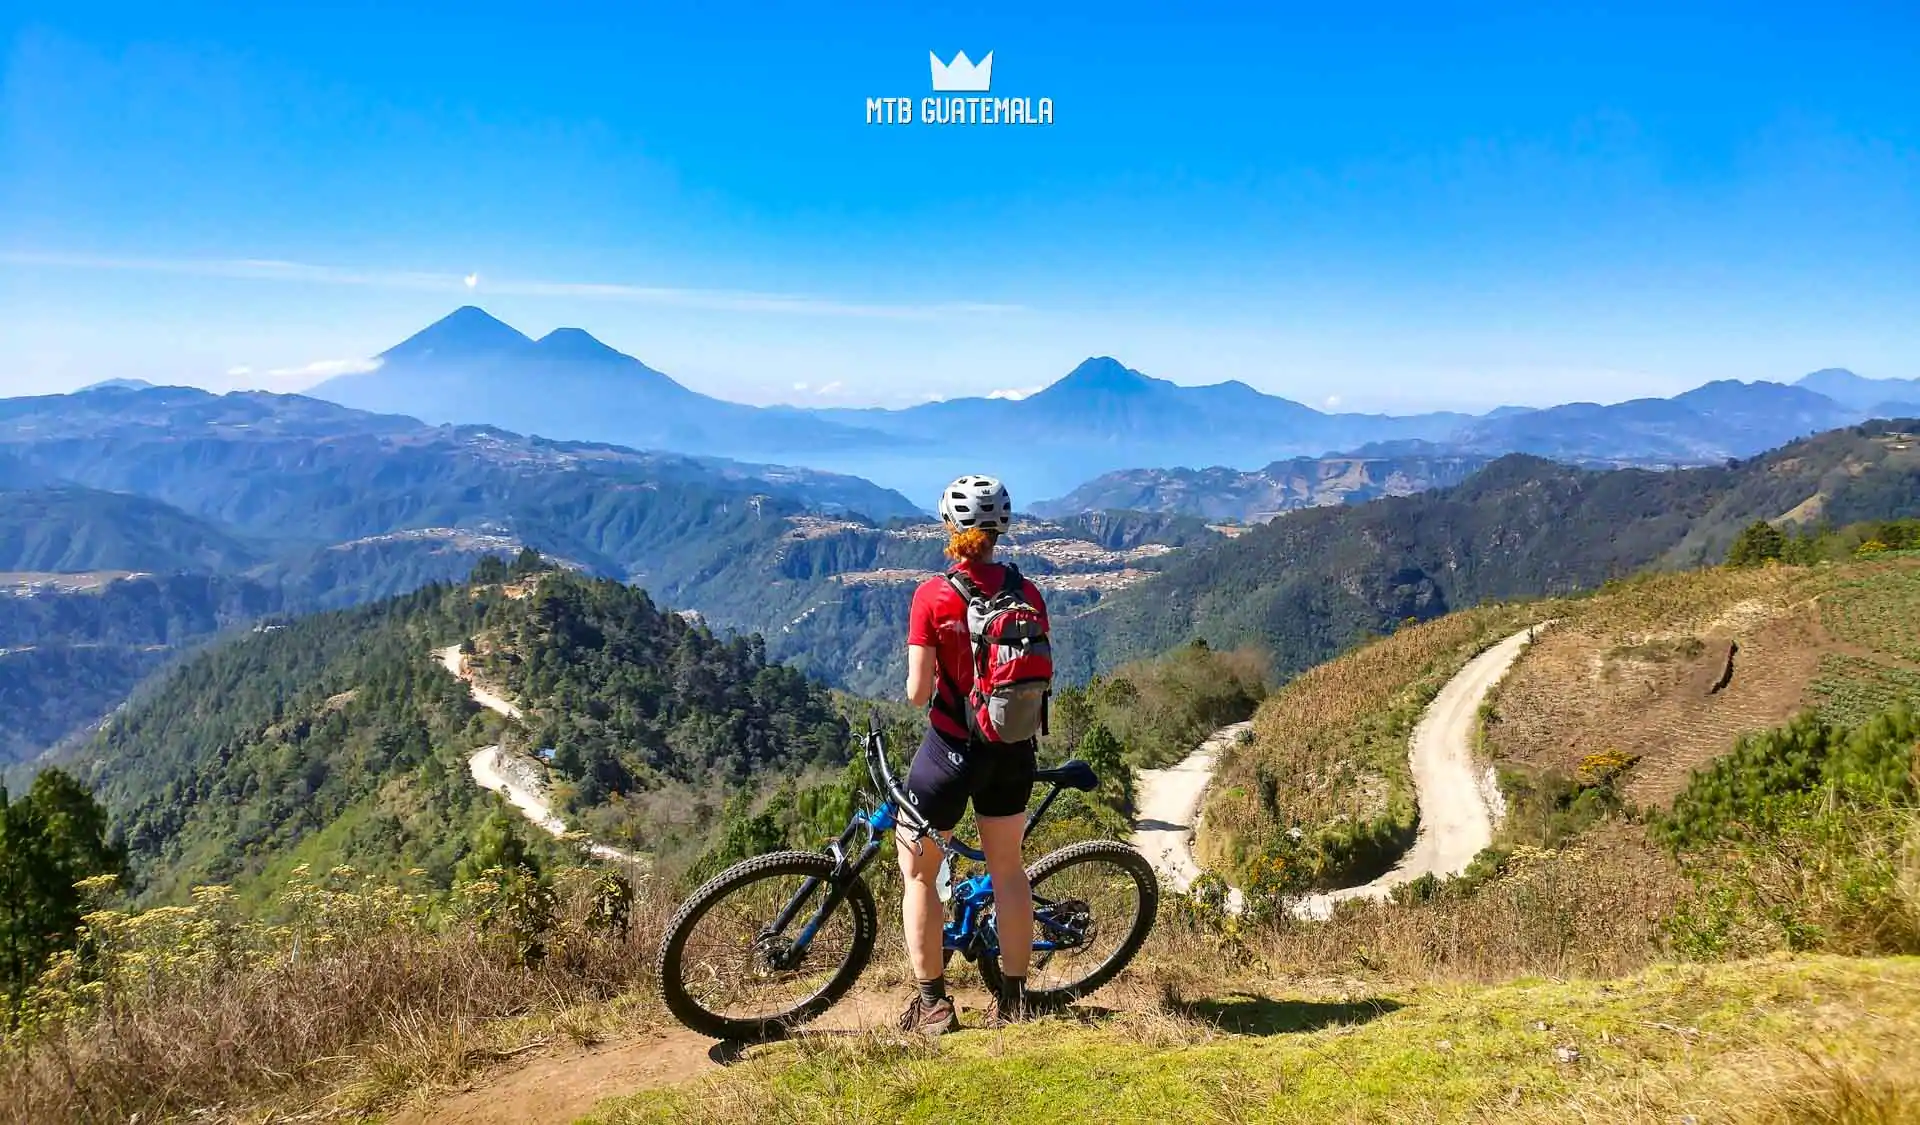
{"x": 515, "y": 776}
{"x": 1457, "y": 799}
{"x": 1169, "y": 804}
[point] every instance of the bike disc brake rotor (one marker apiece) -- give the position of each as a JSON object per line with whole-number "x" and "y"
{"x": 773, "y": 955}
{"x": 1071, "y": 922}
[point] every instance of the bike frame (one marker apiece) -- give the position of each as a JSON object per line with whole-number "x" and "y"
{"x": 963, "y": 933}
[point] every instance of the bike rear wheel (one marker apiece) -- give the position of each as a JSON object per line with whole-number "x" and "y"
{"x": 723, "y": 975}
{"x": 1101, "y": 894}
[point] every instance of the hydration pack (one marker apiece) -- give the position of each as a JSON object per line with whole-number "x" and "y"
{"x": 1012, "y": 661}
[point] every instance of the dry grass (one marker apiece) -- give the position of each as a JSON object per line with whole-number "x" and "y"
{"x": 1637, "y": 669}
{"x": 192, "y": 1011}
{"x": 1330, "y": 749}
{"x": 1592, "y": 908}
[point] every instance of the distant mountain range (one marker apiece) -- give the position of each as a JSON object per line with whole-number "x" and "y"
{"x": 471, "y": 368}
{"x": 69, "y": 528}
{"x": 232, "y": 506}
{"x": 1310, "y": 583}
{"x": 1101, "y": 417}
{"x": 1257, "y": 496}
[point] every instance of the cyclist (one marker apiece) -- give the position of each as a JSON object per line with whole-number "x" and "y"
{"x": 953, "y": 767}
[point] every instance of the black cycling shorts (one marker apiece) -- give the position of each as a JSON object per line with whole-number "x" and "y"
{"x": 998, "y": 776}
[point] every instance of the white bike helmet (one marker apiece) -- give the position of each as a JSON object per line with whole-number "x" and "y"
{"x": 977, "y": 501}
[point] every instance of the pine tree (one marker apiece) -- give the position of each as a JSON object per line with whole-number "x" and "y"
{"x": 1101, "y": 750}
{"x": 50, "y": 839}
{"x": 496, "y": 843}
{"x": 1759, "y": 542}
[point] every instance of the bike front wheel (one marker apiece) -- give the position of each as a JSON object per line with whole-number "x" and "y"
{"x": 1094, "y": 902}
{"x": 725, "y": 972}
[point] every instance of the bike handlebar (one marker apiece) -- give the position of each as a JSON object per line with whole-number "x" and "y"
{"x": 882, "y": 774}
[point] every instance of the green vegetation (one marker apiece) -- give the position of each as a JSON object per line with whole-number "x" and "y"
{"x": 67, "y": 659}
{"x": 51, "y": 840}
{"x": 1799, "y": 841}
{"x": 1802, "y": 839}
{"x": 1789, "y": 1042}
{"x": 1759, "y": 542}
{"x": 624, "y": 693}
{"x": 342, "y": 728}
{"x": 72, "y": 529}
{"x": 1310, "y": 583}
{"x": 1878, "y": 610}
{"x": 1158, "y": 710}
{"x": 1853, "y": 689}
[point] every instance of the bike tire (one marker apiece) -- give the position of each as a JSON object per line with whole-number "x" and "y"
{"x": 670, "y": 969}
{"x": 1147, "y": 889}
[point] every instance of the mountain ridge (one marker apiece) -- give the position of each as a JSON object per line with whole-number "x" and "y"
{"x": 1102, "y": 416}
{"x": 1308, "y": 583}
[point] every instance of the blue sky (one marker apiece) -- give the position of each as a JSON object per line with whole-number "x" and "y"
{"x": 1392, "y": 207}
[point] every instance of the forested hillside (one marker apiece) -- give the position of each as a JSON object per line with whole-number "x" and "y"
{"x": 70, "y": 529}
{"x": 1309, "y": 583}
{"x": 338, "y": 736}
{"x": 69, "y": 656}
{"x": 1258, "y": 495}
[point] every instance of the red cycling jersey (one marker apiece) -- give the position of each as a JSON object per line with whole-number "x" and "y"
{"x": 938, "y": 620}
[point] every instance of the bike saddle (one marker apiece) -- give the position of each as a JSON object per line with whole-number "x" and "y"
{"x": 1074, "y": 774}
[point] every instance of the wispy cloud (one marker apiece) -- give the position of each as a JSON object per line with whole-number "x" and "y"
{"x": 721, "y": 300}
{"x": 325, "y": 369}
{"x": 1015, "y": 394}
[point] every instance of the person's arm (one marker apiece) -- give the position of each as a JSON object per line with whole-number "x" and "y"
{"x": 922, "y": 664}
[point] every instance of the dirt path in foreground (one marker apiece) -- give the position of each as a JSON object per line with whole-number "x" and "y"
{"x": 563, "y": 1084}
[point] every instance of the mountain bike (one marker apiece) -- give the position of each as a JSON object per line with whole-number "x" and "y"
{"x": 775, "y": 940}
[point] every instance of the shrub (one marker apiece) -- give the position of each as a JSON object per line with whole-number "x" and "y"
{"x": 1759, "y": 542}
{"x": 351, "y": 993}
{"x": 1805, "y": 837}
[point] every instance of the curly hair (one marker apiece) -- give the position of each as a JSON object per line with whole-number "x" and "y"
{"x": 973, "y": 545}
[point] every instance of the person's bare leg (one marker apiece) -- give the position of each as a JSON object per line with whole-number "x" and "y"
{"x": 920, "y": 906}
{"x": 1001, "y": 838}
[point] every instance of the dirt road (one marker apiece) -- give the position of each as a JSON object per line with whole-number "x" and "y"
{"x": 1457, "y": 800}
{"x": 516, "y": 776}
{"x": 1169, "y": 804}
{"x": 450, "y": 658}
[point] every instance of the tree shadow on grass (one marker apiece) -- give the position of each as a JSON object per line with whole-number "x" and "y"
{"x": 1243, "y": 1013}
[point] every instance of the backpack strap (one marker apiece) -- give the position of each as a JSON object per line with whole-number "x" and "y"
{"x": 969, "y": 592}
{"x": 947, "y": 697}
{"x": 1013, "y": 582}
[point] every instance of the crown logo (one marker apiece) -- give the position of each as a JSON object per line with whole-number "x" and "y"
{"x": 962, "y": 75}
